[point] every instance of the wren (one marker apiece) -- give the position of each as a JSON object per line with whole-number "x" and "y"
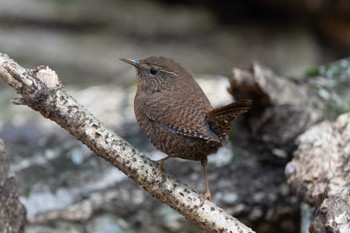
{"x": 175, "y": 114}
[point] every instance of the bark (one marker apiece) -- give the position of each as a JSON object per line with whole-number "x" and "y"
{"x": 12, "y": 212}
{"x": 319, "y": 174}
{"x": 41, "y": 90}
{"x": 281, "y": 118}
{"x": 280, "y": 111}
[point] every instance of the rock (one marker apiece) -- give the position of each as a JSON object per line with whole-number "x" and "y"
{"x": 319, "y": 173}
{"x": 327, "y": 87}
{"x": 55, "y": 227}
{"x": 106, "y": 224}
{"x": 12, "y": 212}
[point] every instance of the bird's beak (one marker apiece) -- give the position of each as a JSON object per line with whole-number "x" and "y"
{"x": 132, "y": 62}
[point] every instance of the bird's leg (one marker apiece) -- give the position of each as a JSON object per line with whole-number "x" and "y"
{"x": 207, "y": 193}
{"x": 161, "y": 162}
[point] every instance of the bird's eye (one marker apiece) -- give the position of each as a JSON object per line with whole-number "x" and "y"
{"x": 153, "y": 71}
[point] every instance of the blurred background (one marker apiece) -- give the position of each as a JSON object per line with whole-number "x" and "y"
{"x": 63, "y": 185}
{"x": 85, "y": 38}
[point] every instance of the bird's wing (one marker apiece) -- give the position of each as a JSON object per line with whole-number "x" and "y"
{"x": 183, "y": 120}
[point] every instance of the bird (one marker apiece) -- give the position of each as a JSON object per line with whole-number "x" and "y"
{"x": 175, "y": 114}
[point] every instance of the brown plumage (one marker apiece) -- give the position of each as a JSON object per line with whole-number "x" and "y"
{"x": 175, "y": 114}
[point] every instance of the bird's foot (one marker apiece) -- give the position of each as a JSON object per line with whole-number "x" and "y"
{"x": 204, "y": 197}
{"x": 161, "y": 167}
{"x": 160, "y": 163}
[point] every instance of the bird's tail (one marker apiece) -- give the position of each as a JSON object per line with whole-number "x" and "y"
{"x": 220, "y": 119}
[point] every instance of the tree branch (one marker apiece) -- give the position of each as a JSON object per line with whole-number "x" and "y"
{"x": 41, "y": 90}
